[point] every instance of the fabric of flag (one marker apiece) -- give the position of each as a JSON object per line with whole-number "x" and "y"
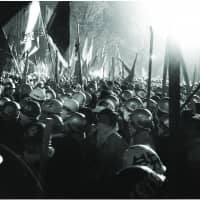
{"x": 78, "y": 68}
{"x": 59, "y": 26}
{"x": 130, "y": 77}
{"x": 5, "y": 53}
{"x": 8, "y": 9}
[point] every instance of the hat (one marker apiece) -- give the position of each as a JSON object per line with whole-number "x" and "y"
{"x": 134, "y": 103}
{"x": 103, "y": 104}
{"x": 142, "y": 118}
{"x": 143, "y": 155}
{"x": 31, "y": 108}
{"x": 71, "y": 104}
{"x": 163, "y": 105}
{"x": 35, "y": 132}
{"x": 38, "y": 94}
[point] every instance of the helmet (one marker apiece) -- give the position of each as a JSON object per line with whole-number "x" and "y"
{"x": 75, "y": 123}
{"x": 152, "y": 104}
{"x": 58, "y": 123}
{"x": 35, "y": 133}
{"x": 163, "y": 105}
{"x": 25, "y": 89}
{"x": 141, "y": 93}
{"x": 88, "y": 98}
{"x": 3, "y": 100}
{"x": 104, "y": 103}
{"x": 50, "y": 94}
{"x": 80, "y": 97}
{"x": 139, "y": 174}
{"x": 143, "y": 155}
{"x": 156, "y": 98}
{"x": 10, "y": 85}
{"x": 126, "y": 95}
{"x": 141, "y": 118}
{"x": 38, "y": 94}
{"x": 114, "y": 99}
{"x": 52, "y": 106}
{"x": 71, "y": 104}
{"x": 31, "y": 109}
{"x": 11, "y": 110}
{"x": 134, "y": 103}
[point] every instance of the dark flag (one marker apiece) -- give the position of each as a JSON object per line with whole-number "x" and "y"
{"x": 5, "y": 52}
{"x": 59, "y": 26}
{"x": 78, "y": 69}
{"x": 8, "y": 9}
{"x": 130, "y": 77}
{"x": 124, "y": 66}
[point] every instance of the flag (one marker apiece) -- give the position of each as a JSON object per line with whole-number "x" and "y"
{"x": 85, "y": 50}
{"x": 78, "y": 69}
{"x": 58, "y": 27}
{"x": 6, "y": 56}
{"x": 130, "y": 77}
{"x": 90, "y": 51}
{"x": 8, "y": 9}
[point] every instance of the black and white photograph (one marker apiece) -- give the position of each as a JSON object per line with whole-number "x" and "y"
{"x": 100, "y": 99}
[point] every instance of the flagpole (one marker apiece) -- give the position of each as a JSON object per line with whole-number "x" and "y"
{"x": 150, "y": 67}
{"x": 166, "y": 63}
{"x": 25, "y": 68}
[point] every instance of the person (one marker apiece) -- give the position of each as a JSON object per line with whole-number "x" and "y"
{"x": 66, "y": 168}
{"x": 140, "y": 126}
{"x": 12, "y": 132}
{"x": 108, "y": 148}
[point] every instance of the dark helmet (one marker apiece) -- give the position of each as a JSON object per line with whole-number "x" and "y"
{"x": 114, "y": 99}
{"x": 141, "y": 118}
{"x": 126, "y": 95}
{"x": 88, "y": 98}
{"x": 163, "y": 105}
{"x": 152, "y": 105}
{"x": 11, "y": 110}
{"x": 31, "y": 109}
{"x": 35, "y": 133}
{"x": 134, "y": 103}
{"x": 25, "y": 89}
{"x": 76, "y": 123}
{"x": 156, "y": 98}
{"x": 58, "y": 124}
{"x": 52, "y": 106}
{"x": 3, "y": 100}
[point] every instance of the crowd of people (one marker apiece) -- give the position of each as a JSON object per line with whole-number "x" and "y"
{"x": 98, "y": 140}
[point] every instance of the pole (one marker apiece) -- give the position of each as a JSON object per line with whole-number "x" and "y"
{"x": 113, "y": 68}
{"x": 174, "y": 89}
{"x": 166, "y": 64}
{"x": 25, "y": 68}
{"x": 56, "y": 68}
{"x": 150, "y": 67}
